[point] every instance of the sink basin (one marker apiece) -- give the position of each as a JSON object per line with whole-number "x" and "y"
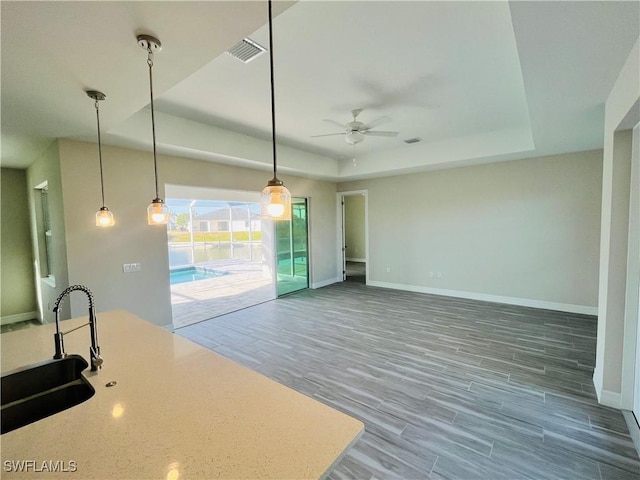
{"x": 35, "y": 392}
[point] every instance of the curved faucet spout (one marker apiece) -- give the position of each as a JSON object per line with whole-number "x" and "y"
{"x": 94, "y": 350}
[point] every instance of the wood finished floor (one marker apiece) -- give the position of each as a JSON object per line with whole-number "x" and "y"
{"x": 447, "y": 388}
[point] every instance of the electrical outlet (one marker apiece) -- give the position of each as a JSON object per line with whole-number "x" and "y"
{"x": 388, "y": 269}
{"x": 430, "y": 274}
{"x": 439, "y": 274}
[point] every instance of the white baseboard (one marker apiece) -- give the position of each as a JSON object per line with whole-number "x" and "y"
{"x": 324, "y": 283}
{"x": 523, "y": 302}
{"x": 597, "y": 382}
{"x": 605, "y": 397}
{"x": 359, "y": 260}
{"x": 18, "y": 317}
{"x": 610, "y": 399}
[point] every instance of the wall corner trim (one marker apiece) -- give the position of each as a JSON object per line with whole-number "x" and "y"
{"x": 597, "y": 382}
{"x": 610, "y": 399}
{"x": 523, "y": 302}
{"x": 605, "y": 397}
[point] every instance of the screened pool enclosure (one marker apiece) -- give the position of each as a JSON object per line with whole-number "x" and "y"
{"x": 223, "y": 257}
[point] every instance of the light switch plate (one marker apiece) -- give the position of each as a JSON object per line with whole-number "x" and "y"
{"x": 131, "y": 267}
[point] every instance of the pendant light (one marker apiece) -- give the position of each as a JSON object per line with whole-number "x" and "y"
{"x": 157, "y": 211}
{"x": 276, "y": 199}
{"x": 104, "y": 217}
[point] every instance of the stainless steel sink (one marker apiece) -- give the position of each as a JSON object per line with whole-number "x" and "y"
{"x": 38, "y": 391}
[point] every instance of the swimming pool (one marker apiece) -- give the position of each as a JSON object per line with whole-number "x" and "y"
{"x": 193, "y": 274}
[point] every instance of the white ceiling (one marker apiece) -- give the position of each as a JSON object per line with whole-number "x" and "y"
{"x": 476, "y": 81}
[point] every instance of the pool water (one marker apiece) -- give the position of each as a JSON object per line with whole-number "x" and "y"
{"x": 193, "y": 274}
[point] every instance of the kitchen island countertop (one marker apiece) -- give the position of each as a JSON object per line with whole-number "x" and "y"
{"x": 178, "y": 411}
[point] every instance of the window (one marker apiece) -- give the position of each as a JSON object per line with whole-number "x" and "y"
{"x": 223, "y": 226}
{"x": 45, "y": 238}
{"x": 204, "y": 226}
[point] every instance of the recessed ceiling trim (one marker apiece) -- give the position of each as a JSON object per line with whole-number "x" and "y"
{"x": 246, "y": 50}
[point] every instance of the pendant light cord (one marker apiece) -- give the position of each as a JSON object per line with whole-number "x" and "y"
{"x": 273, "y": 96}
{"x": 100, "y": 152}
{"x": 153, "y": 119}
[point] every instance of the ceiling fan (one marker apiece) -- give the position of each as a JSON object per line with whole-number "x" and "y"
{"x": 355, "y": 131}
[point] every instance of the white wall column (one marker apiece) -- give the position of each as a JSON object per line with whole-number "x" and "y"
{"x": 620, "y": 109}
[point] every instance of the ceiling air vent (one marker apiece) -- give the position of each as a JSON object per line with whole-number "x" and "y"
{"x": 246, "y": 50}
{"x": 413, "y": 140}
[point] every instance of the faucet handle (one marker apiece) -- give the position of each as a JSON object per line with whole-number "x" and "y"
{"x": 96, "y": 359}
{"x": 96, "y": 362}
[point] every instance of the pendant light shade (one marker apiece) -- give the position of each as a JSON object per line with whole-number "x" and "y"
{"x": 104, "y": 217}
{"x": 157, "y": 211}
{"x": 276, "y": 199}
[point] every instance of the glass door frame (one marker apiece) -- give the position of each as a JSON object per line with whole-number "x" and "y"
{"x": 280, "y": 287}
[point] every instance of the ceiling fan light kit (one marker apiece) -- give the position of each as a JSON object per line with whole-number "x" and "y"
{"x": 355, "y": 131}
{"x": 353, "y": 137}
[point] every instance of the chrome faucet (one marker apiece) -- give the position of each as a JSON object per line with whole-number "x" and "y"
{"x": 94, "y": 350}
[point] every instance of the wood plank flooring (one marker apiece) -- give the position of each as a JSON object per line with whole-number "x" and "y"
{"x": 447, "y": 388}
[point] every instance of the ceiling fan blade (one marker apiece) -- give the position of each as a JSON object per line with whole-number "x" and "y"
{"x": 327, "y": 134}
{"x": 380, "y": 133}
{"x": 377, "y": 121}
{"x": 333, "y": 122}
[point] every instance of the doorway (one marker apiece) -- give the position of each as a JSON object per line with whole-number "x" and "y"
{"x": 218, "y": 253}
{"x": 354, "y": 243}
{"x": 292, "y": 249}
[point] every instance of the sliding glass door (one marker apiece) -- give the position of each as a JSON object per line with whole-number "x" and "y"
{"x": 292, "y": 250}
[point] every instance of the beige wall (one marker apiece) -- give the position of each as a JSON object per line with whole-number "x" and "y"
{"x": 524, "y": 231}
{"x": 354, "y": 230}
{"x": 47, "y": 168}
{"x": 95, "y": 256}
{"x": 17, "y": 287}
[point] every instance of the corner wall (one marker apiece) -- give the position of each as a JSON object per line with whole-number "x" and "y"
{"x": 95, "y": 255}
{"x": 47, "y": 168}
{"x": 524, "y": 232}
{"x": 17, "y": 287}
{"x": 613, "y": 354}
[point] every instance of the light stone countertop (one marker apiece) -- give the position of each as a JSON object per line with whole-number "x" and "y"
{"x": 178, "y": 411}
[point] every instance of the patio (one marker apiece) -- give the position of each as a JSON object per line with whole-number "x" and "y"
{"x": 245, "y": 285}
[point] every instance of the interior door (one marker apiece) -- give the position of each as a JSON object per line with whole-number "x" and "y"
{"x": 292, "y": 250}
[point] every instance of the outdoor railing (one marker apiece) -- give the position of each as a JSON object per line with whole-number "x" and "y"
{"x": 181, "y": 253}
